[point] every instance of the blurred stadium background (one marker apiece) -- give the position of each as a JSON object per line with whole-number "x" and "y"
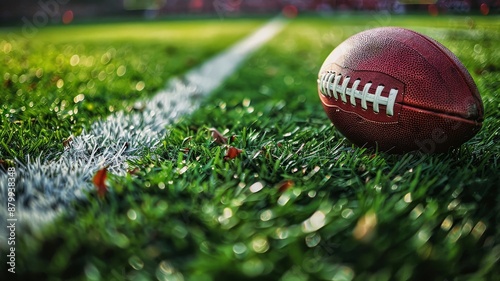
{"x": 54, "y": 11}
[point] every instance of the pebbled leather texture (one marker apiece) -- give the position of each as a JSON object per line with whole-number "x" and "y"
{"x": 438, "y": 105}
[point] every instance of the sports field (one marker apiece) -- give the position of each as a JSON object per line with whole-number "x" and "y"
{"x": 284, "y": 197}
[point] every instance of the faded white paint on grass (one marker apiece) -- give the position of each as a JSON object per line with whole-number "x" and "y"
{"x": 45, "y": 188}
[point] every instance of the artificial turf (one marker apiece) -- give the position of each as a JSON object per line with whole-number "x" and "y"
{"x": 300, "y": 202}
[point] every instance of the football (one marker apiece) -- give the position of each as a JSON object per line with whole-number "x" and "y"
{"x": 399, "y": 91}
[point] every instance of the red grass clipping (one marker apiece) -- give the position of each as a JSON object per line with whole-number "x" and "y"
{"x": 285, "y": 185}
{"x": 99, "y": 181}
{"x": 232, "y": 152}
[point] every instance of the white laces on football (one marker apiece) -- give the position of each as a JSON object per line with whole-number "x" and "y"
{"x": 330, "y": 86}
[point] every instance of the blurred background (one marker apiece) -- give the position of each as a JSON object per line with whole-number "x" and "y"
{"x": 65, "y": 11}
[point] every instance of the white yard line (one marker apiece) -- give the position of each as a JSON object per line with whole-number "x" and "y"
{"x": 46, "y": 188}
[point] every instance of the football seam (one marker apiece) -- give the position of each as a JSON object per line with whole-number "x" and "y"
{"x": 444, "y": 114}
{"x": 324, "y": 79}
{"x": 369, "y": 120}
{"x": 437, "y": 46}
{"x": 447, "y": 114}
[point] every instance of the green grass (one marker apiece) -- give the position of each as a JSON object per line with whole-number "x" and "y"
{"x": 64, "y": 77}
{"x": 351, "y": 214}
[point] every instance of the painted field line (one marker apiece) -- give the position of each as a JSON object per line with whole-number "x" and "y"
{"x": 43, "y": 189}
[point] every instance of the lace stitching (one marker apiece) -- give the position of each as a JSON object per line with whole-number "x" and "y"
{"x": 329, "y": 84}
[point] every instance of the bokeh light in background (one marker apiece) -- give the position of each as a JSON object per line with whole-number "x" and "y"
{"x": 433, "y": 10}
{"x": 54, "y": 11}
{"x": 290, "y": 11}
{"x": 485, "y": 9}
{"x": 67, "y": 17}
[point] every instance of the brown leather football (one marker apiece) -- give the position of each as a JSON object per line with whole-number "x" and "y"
{"x": 398, "y": 90}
